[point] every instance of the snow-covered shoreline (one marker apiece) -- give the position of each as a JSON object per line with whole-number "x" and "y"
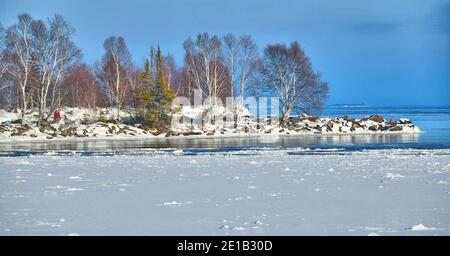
{"x": 88, "y": 125}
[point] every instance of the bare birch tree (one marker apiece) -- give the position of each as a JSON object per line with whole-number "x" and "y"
{"x": 114, "y": 70}
{"x": 55, "y": 53}
{"x": 192, "y": 66}
{"x": 134, "y": 83}
{"x": 231, "y": 51}
{"x": 3, "y": 63}
{"x": 205, "y": 64}
{"x": 18, "y": 42}
{"x": 248, "y": 62}
{"x": 242, "y": 60}
{"x": 170, "y": 69}
{"x": 287, "y": 73}
{"x": 6, "y": 91}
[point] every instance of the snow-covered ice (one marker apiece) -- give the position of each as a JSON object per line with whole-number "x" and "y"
{"x": 248, "y": 192}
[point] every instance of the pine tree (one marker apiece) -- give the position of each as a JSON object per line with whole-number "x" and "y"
{"x": 147, "y": 85}
{"x": 163, "y": 94}
{"x": 157, "y": 93}
{"x": 166, "y": 92}
{"x": 147, "y": 66}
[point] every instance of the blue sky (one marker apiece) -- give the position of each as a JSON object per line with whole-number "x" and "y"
{"x": 385, "y": 52}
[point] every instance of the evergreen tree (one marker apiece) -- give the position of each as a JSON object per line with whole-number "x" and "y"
{"x": 147, "y": 85}
{"x": 167, "y": 95}
{"x": 157, "y": 95}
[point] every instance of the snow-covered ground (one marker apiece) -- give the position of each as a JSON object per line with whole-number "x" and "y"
{"x": 248, "y": 192}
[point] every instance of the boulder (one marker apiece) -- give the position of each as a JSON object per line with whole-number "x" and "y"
{"x": 303, "y": 129}
{"x": 209, "y": 133}
{"x": 139, "y": 126}
{"x": 122, "y": 130}
{"x": 385, "y": 128}
{"x": 15, "y": 133}
{"x": 330, "y": 125}
{"x": 376, "y": 118}
{"x": 374, "y": 127}
{"x": 392, "y": 122}
{"x": 395, "y": 129}
{"x": 154, "y": 132}
{"x": 171, "y": 133}
{"x": 47, "y": 128}
{"x": 355, "y": 125}
{"x": 68, "y": 131}
{"x": 20, "y": 130}
{"x": 405, "y": 121}
{"x": 189, "y": 133}
{"x": 3, "y": 128}
{"x": 313, "y": 118}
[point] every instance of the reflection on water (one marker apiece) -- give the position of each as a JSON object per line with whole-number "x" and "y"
{"x": 312, "y": 141}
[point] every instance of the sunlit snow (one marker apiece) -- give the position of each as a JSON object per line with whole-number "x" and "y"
{"x": 247, "y": 192}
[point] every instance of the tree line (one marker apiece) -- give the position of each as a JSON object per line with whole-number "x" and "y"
{"x": 41, "y": 69}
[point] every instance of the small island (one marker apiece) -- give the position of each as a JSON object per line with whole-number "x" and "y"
{"x": 225, "y": 87}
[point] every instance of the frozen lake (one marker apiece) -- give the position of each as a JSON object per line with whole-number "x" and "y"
{"x": 243, "y": 192}
{"x": 394, "y": 184}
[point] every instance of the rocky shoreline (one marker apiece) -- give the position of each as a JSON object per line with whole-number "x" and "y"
{"x": 302, "y": 125}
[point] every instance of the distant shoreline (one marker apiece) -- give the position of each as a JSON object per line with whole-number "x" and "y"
{"x": 362, "y": 105}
